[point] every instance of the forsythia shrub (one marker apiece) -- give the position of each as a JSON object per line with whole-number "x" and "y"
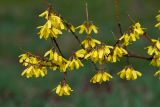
{"x": 91, "y": 49}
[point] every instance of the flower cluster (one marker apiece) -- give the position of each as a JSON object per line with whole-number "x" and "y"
{"x": 87, "y": 27}
{"x": 63, "y": 89}
{"x": 129, "y": 73}
{"x": 57, "y": 59}
{"x": 100, "y": 77}
{"x": 74, "y": 63}
{"x": 99, "y": 53}
{"x": 53, "y": 27}
{"x": 34, "y": 67}
{"x": 90, "y": 43}
{"x": 158, "y": 21}
{"x": 96, "y": 51}
{"x": 133, "y": 34}
{"x": 116, "y": 54}
{"x": 154, "y": 52}
{"x": 157, "y": 74}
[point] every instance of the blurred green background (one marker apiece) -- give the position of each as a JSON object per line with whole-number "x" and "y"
{"x": 18, "y": 22}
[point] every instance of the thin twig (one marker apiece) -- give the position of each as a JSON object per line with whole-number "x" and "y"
{"x": 57, "y": 45}
{"x": 131, "y": 19}
{"x": 68, "y": 27}
{"x": 114, "y": 36}
{"x": 117, "y": 10}
{"x": 117, "y": 3}
{"x": 120, "y": 28}
{"x": 87, "y": 14}
{"x": 148, "y": 37}
{"x": 138, "y": 57}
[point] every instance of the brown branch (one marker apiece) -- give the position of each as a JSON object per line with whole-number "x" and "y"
{"x": 131, "y": 19}
{"x": 57, "y": 45}
{"x": 74, "y": 34}
{"x": 133, "y": 55}
{"x": 87, "y": 14}
{"x": 41, "y": 65}
{"x": 138, "y": 57}
{"x": 120, "y": 28}
{"x": 148, "y": 37}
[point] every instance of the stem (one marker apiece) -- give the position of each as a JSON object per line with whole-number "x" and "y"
{"x": 67, "y": 25}
{"x": 65, "y": 76}
{"x": 119, "y": 24}
{"x": 57, "y": 45}
{"x": 114, "y": 36}
{"x": 120, "y": 28}
{"x": 87, "y": 15}
{"x": 138, "y": 57}
{"x": 148, "y": 37}
{"x": 87, "y": 18}
{"x": 117, "y": 9}
{"x": 116, "y": 2}
{"x": 131, "y": 19}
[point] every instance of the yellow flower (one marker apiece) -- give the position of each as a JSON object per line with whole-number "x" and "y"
{"x": 48, "y": 30}
{"x": 90, "y": 43}
{"x": 157, "y": 74}
{"x": 87, "y": 28}
{"x": 100, "y": 77}
{"x": 125, "y": 39}
{"x": 137, "y": 29}
{"x": 34, "y": 71}
{"x": 129, "y": 73}
{"x": 23, "y": 57}
{"x": 154, "y": 51}
{"x": 63, "y": 89}
{"x": 63, "y": 67}
{"x": 54, "y": 57}
{"x": 44, "y": 14}
{"x": 35, "y": 67}
{"x": 74, "y": 63}
{"x": 80, "y": 53}
{"x": 57, "y": 59}
{"x": 52, "y": 28}
{"x": 155, "y": 48}
{"x": 83, "y": 28}
{"x": 158, "y": 17}
{"x": 99, "y": 53}
{"x": 156, "y": 61}
{"x": 26, "y": 59}
{"x": 45, "y": 30}
{"x": 158, "y": 21}
{"x": 57, "y": 22}
{"x": 116, "y": 53}
{"x": 133, "y": 35}
{"x": 93, "y": 28}
{"x": 158, "y": 25}
{"x": 71, "y": 28}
